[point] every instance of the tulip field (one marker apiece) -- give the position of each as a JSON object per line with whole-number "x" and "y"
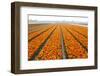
{"x": 57, "y": 41}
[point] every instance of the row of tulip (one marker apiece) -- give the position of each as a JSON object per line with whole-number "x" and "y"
{"x": 35, "y": 43}
{"x": 80, "y": 37}
{"x": 52, "y": 49}
{"x": 73, "y": 48}
{"x": 81, "y": 29}
{"x": 39, "y": 30}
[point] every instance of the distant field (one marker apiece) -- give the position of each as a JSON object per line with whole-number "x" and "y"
{"x": 57, "y": 41}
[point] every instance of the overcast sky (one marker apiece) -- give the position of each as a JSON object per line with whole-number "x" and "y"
{"x": 46, "y": 19}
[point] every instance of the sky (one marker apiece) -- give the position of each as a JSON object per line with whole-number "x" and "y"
{"x": 56, "y": 18}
